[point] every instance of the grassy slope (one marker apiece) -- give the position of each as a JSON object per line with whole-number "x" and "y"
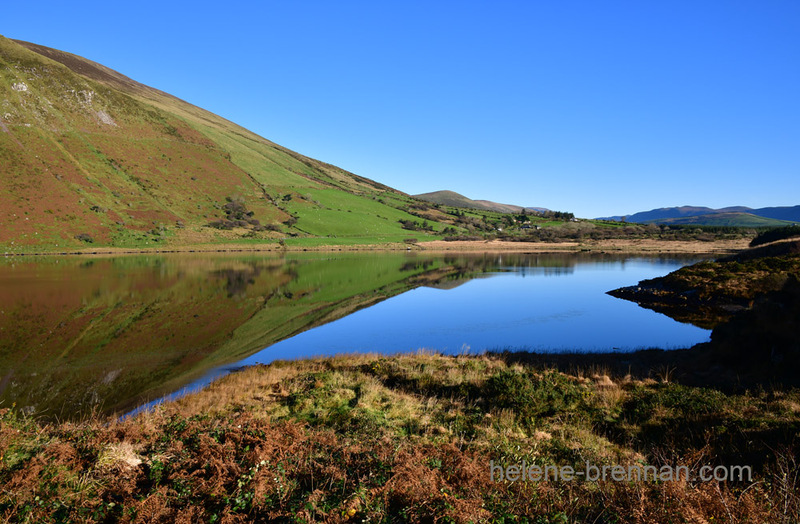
{"x": 160, "y": 172}
{"x": 408, "y": 439}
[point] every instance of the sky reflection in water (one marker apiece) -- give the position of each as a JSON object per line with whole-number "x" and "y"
{"x": 535, "y": 308}
{"x": 521, "y": 308}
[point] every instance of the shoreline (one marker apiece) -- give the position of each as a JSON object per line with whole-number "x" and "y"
{"x": 621, "y": 246}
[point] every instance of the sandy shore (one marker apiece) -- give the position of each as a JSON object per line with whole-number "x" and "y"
{"x": 599, "y": 246}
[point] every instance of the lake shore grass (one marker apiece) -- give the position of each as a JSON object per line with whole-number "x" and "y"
{"x": 621, "y": 246}
{"x": 412, "y": 438}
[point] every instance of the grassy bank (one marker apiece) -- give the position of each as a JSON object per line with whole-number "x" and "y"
{"x": 410, "y": 438}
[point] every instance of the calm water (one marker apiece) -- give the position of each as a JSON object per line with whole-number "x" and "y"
{"x": 109, "y": 334}
{"x": 543, "y": 309}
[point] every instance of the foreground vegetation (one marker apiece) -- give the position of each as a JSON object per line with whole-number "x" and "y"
{"x": 409, "y": 438}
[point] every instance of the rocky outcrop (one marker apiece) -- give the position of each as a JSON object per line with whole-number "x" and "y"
{"x": 711, "y": 292}
{"x": 683, "y": 305}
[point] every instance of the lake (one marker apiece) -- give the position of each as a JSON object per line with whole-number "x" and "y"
{"x": 110, "y": 334}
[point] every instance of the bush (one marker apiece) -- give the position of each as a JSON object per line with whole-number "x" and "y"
{"x": 236, "y": 215}
{"x": 221, "y": 224}
{"x": 414, "y": 225}
{"x": 532, "y": 395}
{"x": 672, "y": 401}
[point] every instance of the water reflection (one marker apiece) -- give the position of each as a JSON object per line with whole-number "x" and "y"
{"x": 109, "y": 333}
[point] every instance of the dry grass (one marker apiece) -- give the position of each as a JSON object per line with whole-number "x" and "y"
{"x": 118, "y": 455}
{"x": 405, "y": 438}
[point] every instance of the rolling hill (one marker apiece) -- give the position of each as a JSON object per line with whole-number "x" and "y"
{"x": 729, "y": 216}
{"x": 451, "y": 198}
{"x": 91, "y": 157}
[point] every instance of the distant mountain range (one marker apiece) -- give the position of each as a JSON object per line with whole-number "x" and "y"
{"x": 705, "y": 216}
{"x": 451, "y": 198}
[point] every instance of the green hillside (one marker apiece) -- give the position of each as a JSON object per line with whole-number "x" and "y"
{"x": 90, "y": 157}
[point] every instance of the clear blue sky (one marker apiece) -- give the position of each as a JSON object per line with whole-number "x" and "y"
{"x": 598, "y": 108}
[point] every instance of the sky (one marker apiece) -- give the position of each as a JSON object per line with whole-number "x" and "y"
{"x": 598, "y": 108}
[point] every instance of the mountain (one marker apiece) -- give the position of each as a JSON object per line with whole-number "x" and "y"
{"x": 790, "y": 214}
{"x": 665, "y": 213}
{"x": 453, "y": 199}
{"x": 89, "y": 157}
{"x": 730, "y": 216}
{"x": 725, "y": 219}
